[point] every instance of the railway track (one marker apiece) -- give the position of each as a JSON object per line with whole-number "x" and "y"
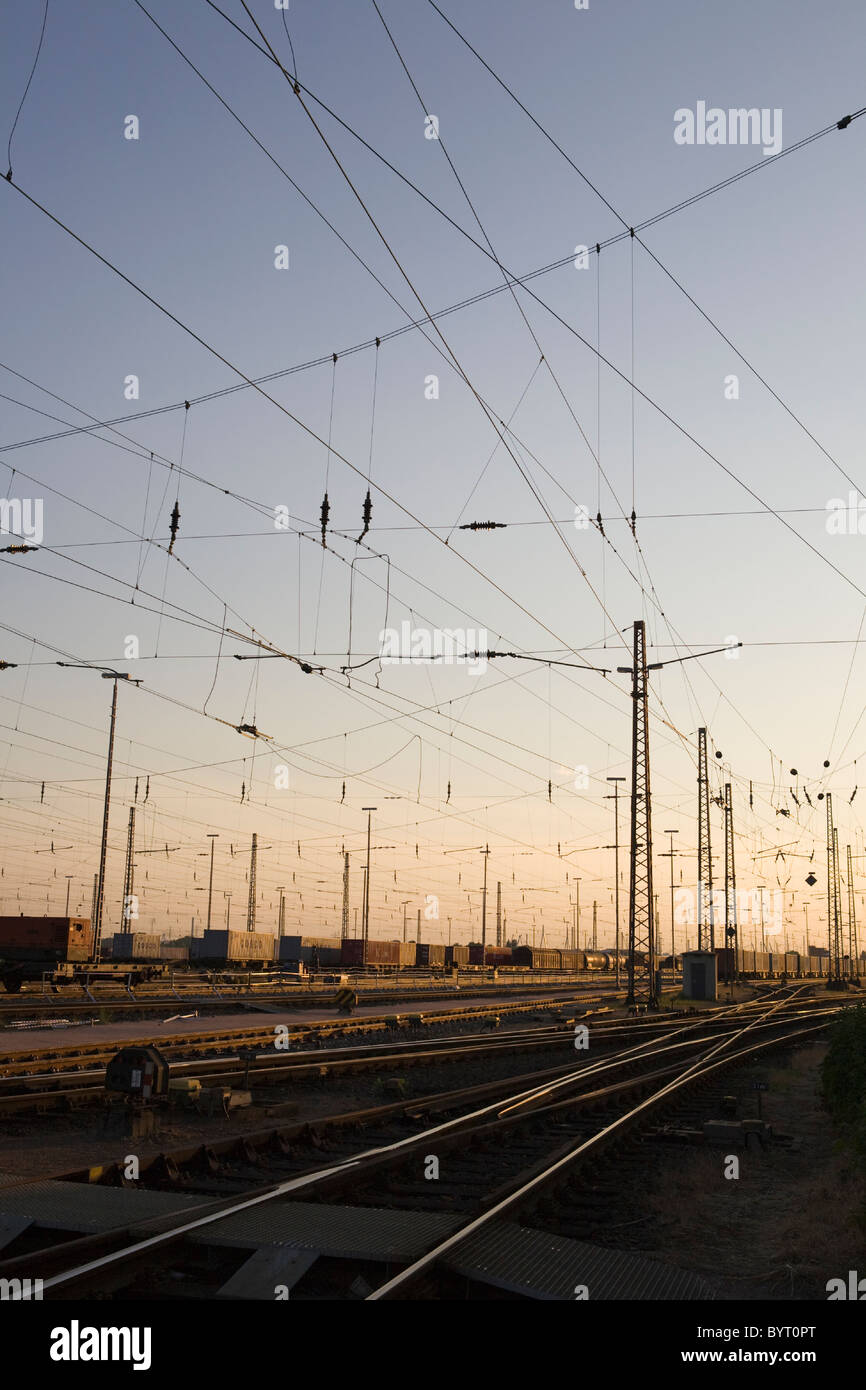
{"x": 70, "y": 1078}
{"x": 214, "y": 991}
{"x": 502, "y": 1145}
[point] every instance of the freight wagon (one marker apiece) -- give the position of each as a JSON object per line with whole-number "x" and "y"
{"x": 456, "y": 955}
{"x": 489, "y": 955}
{"x": 572, "y": 960}
{"x": 408, "y": 952}
{"x": 535, "y": 958}
{"x": 233, "y": 948}
{"x": 31, "y": 945}
{"x": 135, "y": 945}
{"x": 430, "y": 955}
{"x": 315, "y": 951}
{"x": 357, "y": 952}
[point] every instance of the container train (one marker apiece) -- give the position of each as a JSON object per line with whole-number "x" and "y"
{"x": 61, "y": 949}
{"x": 762, "y": 965}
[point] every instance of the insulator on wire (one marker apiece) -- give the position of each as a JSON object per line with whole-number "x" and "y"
{"x": 343, "y": 797}
{"x": 368, "y": 513}
{"x": 751, "y": 798}
{"x": 633, "y": 523}
{"x": 243, "y": 791}
{"x": 483, "y": 526}
{"x": 549, "y": 790}
{"x": 599, "y": 523}
{"x": 807, "y": 796}
{"x": 18, "y": 549}
{"x": 852, "y": 796}
{"x": 147, "y": 789}
{"x": 448, "y": 797}
{"x": 325, "y": 513}
{"x": 41, "y": 799}
{"x": 175, "y": 523}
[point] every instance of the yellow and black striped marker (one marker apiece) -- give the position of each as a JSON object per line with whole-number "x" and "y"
{"x": 346, "y": 1000}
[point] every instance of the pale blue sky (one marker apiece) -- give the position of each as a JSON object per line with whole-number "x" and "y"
{"x": 192, "y": 212}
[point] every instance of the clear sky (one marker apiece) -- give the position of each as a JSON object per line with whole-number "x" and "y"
{"x": 730, "y": 494}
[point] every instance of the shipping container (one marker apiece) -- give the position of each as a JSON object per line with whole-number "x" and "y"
{"x": 135, "y": 945}
{"x": 173, "y": 953}
{"x": 456, "y": 955}
{"x": 792, "y": 963}
{"x": 311, "y": 950}
{"x": 234, "y": 948}
{"x": 376, "y": 953}
{"x": 49, "y": 939}
{"x": 408, "y": 953}
{"x": 430, "y": 955}
{"x": 762, "y": 963}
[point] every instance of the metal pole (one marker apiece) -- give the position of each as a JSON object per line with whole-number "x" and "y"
{"x": 853, "y": 960}
{"x": 671, "y": 855}
{"x": 100, "y": 891}
{"x": 213, "y": 837}
{"x": 616, "y": 781}
{"x": 486, "y": 853}
{"x": 69, "y": 878}
{"x": 369, "y": 810}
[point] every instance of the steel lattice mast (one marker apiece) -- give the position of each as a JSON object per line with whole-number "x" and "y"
{"x": 834, "y": 971}
{"x": 251, "y": 903}
{"x": 706, "y": 924}
{"x": 130, "y": 872}
{"x": 837, "y": 902}
{"x": 852, "y": 923}
{"x": 346, "y": 894}
{"x": 641, "y": 929}
{"x": 731, "y": 935}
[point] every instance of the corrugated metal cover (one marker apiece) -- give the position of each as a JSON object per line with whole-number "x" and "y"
{"x": 355, "y": 1233}
{"x": 350, "y": 1233}
{"x": 545, "y": 1266}
{"x": 68, "y": 1206}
